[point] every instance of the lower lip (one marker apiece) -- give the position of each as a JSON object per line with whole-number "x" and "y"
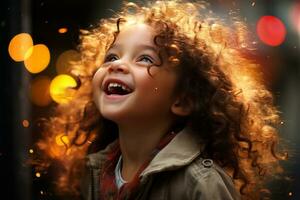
{"x": 115, "y": 97}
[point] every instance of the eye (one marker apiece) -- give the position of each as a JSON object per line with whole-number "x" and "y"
{"x": 111, "y": 58}
{"x": 146, "y": 58}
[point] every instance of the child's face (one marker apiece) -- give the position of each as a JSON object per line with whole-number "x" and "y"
{"x": 123, "y": 89}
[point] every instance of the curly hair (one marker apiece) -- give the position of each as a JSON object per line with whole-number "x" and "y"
{"x": 233, "y": 111}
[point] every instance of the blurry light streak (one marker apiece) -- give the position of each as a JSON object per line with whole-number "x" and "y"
{"x": 295, "y": 16}
{"x": 271, "y": 30}
{"x": 39, "y": 59}
{"x": 19, "y": 46}
{"x": 61, "y": 88}
{"x": 40, "y": 91}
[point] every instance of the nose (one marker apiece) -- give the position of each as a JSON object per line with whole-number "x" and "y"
{"x": 118, "y": 67}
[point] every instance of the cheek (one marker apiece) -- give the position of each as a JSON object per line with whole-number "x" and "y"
{"x": 159, "y": 87}
{"x": 145, "y": 82}
{"x": 166, "y": 82}
{"x": 97, "y": 79}
{"x": 96, "y": 86}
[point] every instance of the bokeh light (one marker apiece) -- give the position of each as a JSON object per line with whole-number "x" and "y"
{"x": 31, "y": 151}
{"x": 295, "y": 16}
{"x": 40, "y": 91}
{"x": 62, "y": 140}
{"x": 65, "y": 59}
{"x": 39, "y": 58}
{"x": 62, "y": 30}
{"x": 38, "y": 174}
{"x": 19, "y": 46}
{"x": 25, "y": 123}
{"x": 61, "y": 88}
{"x": 271, "y": 30}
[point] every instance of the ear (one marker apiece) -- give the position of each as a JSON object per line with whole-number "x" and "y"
{"x": 182, "y": 108}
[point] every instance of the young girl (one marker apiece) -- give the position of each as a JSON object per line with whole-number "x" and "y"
{"x": 173, "y": 107}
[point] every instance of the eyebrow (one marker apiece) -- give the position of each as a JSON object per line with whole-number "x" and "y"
{"x": 142, "y": 46}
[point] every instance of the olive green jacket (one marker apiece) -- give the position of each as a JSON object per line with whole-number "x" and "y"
{"x": 177, "y": 172}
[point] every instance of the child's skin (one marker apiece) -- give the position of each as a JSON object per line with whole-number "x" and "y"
{"x": 145, "y": 114}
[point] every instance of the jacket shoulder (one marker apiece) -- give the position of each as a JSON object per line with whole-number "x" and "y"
{"x": 95, "y": 160}
{"x": 206, "y": 180}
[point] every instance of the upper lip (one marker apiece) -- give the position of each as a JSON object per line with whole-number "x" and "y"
{"x": 115, "y": 80}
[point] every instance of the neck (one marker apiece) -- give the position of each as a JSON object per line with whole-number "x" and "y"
{"x": 137, "y": 143}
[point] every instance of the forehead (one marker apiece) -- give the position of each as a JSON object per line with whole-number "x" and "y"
{"x": 136, "y": 33}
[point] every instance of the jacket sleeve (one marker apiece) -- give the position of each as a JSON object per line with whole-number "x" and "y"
{"x": 209, "y": 181}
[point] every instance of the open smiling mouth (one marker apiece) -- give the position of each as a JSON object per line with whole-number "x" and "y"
{"x": 117, "y": 88}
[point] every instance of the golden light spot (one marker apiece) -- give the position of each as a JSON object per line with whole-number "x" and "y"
{"x": 267, "y": 131}
{"x": 39, "y": 58}
{"x": 31, "y": 151}
{"x": 290, "y": 193}
{"x": 39, "y": 91}
{"x": 62, "y": 140}
{"x": 62, "y": 30}
{"x": 61, "y": 88}
{"x": 216, "y": 33}
{"x": 19, "y": 45}
{"x": 25, "y": 123}
{"x": 38, "y": 174}
{"x": 65, "y": 60}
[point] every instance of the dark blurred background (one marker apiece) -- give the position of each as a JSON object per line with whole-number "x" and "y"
{"x": 44, "y": 21}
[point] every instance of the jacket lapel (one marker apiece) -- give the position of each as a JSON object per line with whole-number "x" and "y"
{"x": 181, "y": 151}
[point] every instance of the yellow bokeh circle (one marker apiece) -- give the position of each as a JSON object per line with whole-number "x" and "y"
{"x": 62, "y": 140}
{"x": 19, "y": 47}
{"x": 61, "y": 88}
{"x": 39, "y": 58}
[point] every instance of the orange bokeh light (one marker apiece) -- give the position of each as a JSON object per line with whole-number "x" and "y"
{"x": 65, "y": 60}
{"x": 62, "y": 30}
{"x": 19, "y": 46}
{"x": 39, "y": 58}
{"x": 25, "y": 123}
{"x": 39, "y": 90}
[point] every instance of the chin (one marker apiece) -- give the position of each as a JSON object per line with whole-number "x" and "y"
{"x": 115, "y": 116}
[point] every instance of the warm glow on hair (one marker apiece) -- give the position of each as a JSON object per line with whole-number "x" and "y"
{"x": 240, "y": 119}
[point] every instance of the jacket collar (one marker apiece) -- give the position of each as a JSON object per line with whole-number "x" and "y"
{"x": 181, "y": 151}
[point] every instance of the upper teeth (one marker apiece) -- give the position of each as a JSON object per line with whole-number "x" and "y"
{"x": 111, "y": 85}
